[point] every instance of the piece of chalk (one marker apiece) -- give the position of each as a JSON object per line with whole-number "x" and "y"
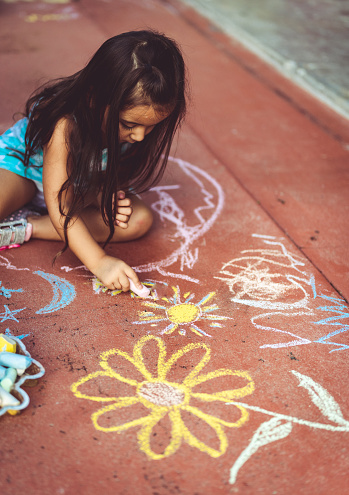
{"x": 7, "y": 344}
{"x": 9, "y": 379}
{"x": 143, "y": 292}
{"x": 6, "y": 399}
{"x": 17, "y": 361}
{"x": 2, "y": 372}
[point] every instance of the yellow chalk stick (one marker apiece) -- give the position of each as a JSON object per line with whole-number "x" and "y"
{"x": 7, "y": 344}
{"x": 13, "y": 412}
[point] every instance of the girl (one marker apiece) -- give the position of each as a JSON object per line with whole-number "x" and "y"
{"x": 90, "y": 142}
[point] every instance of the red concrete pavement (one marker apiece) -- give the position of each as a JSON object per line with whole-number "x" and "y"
{"x": 249, "y": 255}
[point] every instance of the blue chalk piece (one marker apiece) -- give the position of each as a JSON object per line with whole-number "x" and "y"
{"x": 9, "y": 379}
{"x": 2, "y": 372}
{"x": 17, "y": 361}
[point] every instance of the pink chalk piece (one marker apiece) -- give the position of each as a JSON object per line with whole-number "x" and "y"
{"x": 144, "y": 292}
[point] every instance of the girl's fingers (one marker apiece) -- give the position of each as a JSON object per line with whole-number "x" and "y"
{"x": 122, "y": 218}
{"x": 125, "y": 211}
{"x": 124, "y": 283}
{"x": 122, "y": 225}
{"x": 124, "y": 202}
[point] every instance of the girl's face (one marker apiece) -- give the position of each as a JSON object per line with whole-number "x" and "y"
{"x": 136, "y": 122}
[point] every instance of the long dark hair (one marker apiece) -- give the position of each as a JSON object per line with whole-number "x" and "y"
{"x": 134, "y": 68}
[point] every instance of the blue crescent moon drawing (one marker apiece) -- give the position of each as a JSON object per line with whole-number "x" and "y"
{"x": 63, "y": 293}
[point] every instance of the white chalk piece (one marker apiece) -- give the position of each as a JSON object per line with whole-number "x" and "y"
{"x": 143, "y": 292}
{"x": 6, "y": 399}
{"x": 12, "y": 360}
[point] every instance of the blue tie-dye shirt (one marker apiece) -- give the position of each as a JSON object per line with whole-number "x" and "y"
{"x": 14, "y": 138}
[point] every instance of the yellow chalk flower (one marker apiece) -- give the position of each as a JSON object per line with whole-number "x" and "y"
{"x": 161, "y": 397}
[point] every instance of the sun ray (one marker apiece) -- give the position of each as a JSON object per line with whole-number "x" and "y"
{"x": 150, "y": 320}
{"x": 195, "y": 331}
{"x": 199, "y": 331}
{"x": 176, "y": 296}
{"x": 215, "y": 317}
{"x": 154, "y": 305}
{"x": 206, "y": 298}
{"x": 208, "y": 309}
{"x": 169, "y": 329}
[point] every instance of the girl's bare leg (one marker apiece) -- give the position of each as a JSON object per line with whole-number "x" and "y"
{"x": 140, "y": 222}
{"x": 16, "y": 191}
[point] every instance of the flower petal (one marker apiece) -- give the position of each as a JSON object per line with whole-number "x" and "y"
{"x": 138, "y": 354}
{"x": 144, "y": 434}
{"x": 180, "y": 353}
{"x": 123, "y": 402}
{"x": 75, "y": 387}
{"x": 208, "y": 417}
{"x": 225, "y": 394}
{"x": 105, "y": 364}
{"x": 193, "y": 441}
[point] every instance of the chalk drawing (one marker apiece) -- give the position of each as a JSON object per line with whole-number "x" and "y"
{"x": 280, "y": 426}
{"x": 63, "y": 292}
{"x": 255, "y": 279}
{"x": 296, "y": 340}
{"x": 8, "y": 265}
{"x": 59, "y": 16}
{"x": 9, "y": 314}
{"x": 70, "y": 269}
{"x": 161, "y": 398}
{"x": 168, "y": 209}
{"x": 20, "y": 337}
{"x": 182, "y": 313}
{"x": 7, "y": 292}
{"x": 186, "y": 235}
{"x": 98, "y": 288}
{"x": 275, "y": 281}
{"x": 340, "y": 312}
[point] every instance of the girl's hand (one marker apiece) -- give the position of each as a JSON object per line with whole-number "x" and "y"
{"x": 115, "y": 273}
{"x": 124, "y": 210}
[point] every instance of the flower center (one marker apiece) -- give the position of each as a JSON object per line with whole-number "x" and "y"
{"x": 183, "y": 313}
{"x": 161, "y": 394}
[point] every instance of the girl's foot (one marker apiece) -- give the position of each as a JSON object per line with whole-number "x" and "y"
{"x": 14, "y": 230}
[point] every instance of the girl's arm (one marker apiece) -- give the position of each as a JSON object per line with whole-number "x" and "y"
{"x": 111, "y": 271}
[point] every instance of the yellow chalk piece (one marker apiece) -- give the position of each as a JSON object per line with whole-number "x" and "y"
{"x": 7, "y": 344}
{"x": 13, "y": 412}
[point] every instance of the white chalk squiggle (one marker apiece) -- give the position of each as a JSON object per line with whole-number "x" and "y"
{"x": 168, "y": 209}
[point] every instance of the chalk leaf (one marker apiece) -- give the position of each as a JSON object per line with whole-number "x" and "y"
{"x": 268, "y": 432}
{"x": 322, "y": 399}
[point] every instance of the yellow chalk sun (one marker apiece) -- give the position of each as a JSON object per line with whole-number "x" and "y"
{"x": 179, "y": 314}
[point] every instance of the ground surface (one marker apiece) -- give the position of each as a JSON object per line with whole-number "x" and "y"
{"x": 233, "y": 378}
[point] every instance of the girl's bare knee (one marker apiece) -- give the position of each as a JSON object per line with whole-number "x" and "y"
{"x": 16, "y": 192}
{"x": 142, "y": 222}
